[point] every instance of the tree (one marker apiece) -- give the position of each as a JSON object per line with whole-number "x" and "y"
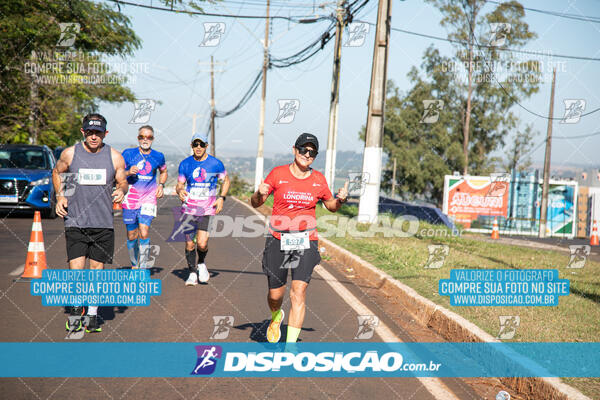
{"x": 54, "y": 68}
{"x": 44, "y": 92}
{"x": 478, "y": 49}
{"x": 238, "y": 186}
{"x": 519, "y": 153}
{"x": 468, "y": 95}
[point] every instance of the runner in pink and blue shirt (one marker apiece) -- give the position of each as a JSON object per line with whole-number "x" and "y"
{"x": 142, "y": 165}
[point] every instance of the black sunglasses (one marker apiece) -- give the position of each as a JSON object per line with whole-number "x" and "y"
{"x": 199, "y": 143}
{"x": 91, "y": 132}
{"x": 303, "y": 150}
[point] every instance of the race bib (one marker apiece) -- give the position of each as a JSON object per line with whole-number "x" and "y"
{"x": 90, "y": 176}
{"x": 148, "y": 209}
{"x": 295, "y": 241}
{"x": 199, "y": 193}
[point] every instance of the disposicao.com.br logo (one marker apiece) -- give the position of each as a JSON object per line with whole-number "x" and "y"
{"x": 296, "y": 363}
{"x": 323, "y": 362}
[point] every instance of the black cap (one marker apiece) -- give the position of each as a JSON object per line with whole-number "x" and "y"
{"x": 94, "y": 125}
{"x": 307, "y": 138}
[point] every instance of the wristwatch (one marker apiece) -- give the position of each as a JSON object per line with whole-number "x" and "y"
{"x": 223, "y": 197}
{"x": 162, "y": 184}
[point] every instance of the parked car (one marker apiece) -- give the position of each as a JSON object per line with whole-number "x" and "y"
{"x": 26, "y": 178}
{"x": 57, "y": 152}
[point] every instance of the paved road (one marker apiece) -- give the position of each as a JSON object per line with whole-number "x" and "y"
{"x": 184, "y": 314}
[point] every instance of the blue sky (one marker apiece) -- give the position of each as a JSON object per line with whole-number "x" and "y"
{"x": 174, "y": 70}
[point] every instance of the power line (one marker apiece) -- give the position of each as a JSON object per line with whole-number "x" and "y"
{"x": 489, "y": 46}
{"x": 553, "y": 13}
{"x": 577, "y": 137}
{"x": 245, "y": 98}
{"x": 300, "y": 56}
{"x": 318, "y": 44}
{"x": 513, "y": 98}
{"x": 530, "y": 152}
{"x": 296, "y": 58}
{"x": 297, "y": 19}
{"x": 280, "y": 5}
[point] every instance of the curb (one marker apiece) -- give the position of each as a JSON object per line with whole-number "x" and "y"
{"x": 446, "y": 323}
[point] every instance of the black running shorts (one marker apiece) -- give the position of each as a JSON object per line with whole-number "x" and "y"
{"x": 97, "y": 244}
{"x": 193, "y": 223}
{"x": 276, "y": 263}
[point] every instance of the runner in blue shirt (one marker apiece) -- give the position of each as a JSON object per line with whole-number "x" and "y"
{"x": 197, "y": 188}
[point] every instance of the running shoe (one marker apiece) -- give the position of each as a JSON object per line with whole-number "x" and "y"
{"x": 274, "y": 329}
{"x": 203, "y": 274}
{"x": 192, "y": 280}
{"x": 74, "y": 324}
{"x": 93, "y": 325}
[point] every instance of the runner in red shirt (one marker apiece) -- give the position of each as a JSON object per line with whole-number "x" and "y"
{"x": 293, "y": 241}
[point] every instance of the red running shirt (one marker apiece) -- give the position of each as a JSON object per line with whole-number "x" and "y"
{"x": 294, "y": 200}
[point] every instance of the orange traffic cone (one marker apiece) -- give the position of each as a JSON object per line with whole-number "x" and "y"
{"x": 594, "y": 237}
{"x": 495, "y": 231}
{"x": 36, "y": 254}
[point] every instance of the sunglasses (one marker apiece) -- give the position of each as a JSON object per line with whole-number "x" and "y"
{"x": 91, "y": 132}
{"x": 303, "y": 150}
{"x": 142, "y": 137}
{"x": 199, "y": 143}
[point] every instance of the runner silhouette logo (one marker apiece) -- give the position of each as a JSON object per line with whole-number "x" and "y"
{"x": 207, "y": 359}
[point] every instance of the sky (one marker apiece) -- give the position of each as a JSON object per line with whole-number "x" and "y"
{"x": 172, "y": 68}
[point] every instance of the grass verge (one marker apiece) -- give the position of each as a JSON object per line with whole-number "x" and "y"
{"x": 575, "y": 319}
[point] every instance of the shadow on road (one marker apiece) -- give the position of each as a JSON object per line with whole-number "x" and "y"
{"x": 184, "y": 273}
{"x": 258, "y": 331}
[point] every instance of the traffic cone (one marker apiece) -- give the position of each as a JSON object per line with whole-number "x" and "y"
{"x": 36, "y": 254}
{"x": 594, "y": 237}
{"x": 495, "y": 231}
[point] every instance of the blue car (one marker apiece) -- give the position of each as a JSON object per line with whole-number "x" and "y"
{"x": 26, "y": 178}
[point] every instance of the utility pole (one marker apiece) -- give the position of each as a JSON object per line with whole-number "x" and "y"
{"x": 335, "y": 95}
{"x": 369, "y": 198}
{"x": 194, "y": 116}
{"x": 544, "y": 208}
{"x": 394, "y": 178}
{"x": 467, "y": 120}
{"x": 260, "y": 160}
{"x": 212, "y": 107}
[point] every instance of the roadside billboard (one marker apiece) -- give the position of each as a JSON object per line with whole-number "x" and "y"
{"x": 474, "y": 202}
{"x": 467, "y": 198}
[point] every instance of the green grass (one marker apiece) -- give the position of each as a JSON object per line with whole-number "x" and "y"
{"x": 575, "y": 319}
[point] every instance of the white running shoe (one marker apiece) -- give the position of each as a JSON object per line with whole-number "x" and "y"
{"x": 203, "y": 274}
{"x": 192, "y": 280}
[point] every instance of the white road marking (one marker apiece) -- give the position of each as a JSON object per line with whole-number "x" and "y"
{"x": 435, "y": 386}
{"x": 17, "y": 271}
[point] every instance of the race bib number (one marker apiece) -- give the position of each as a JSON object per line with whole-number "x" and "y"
{"x": 90, "y": 176}
{"x": 295, "y": 241}
{"x": 199, "y": 193}
{"x": 148, "y": 209}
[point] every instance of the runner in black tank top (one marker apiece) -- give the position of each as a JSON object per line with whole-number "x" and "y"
{"x": 86, "y": 206}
